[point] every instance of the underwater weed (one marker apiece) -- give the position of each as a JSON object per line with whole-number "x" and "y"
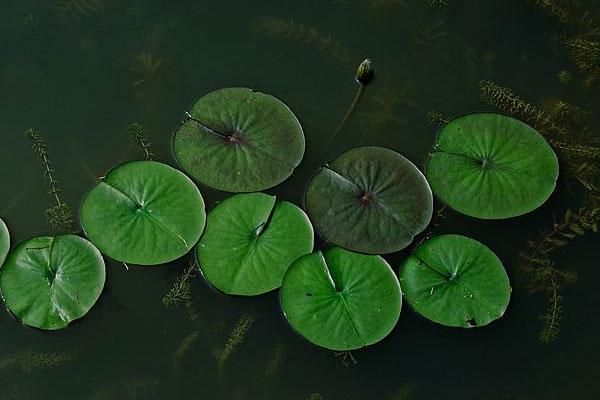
{"x": 290, "y": 30}
{"x": 181, "y": 293}
{"x": 315, "y": 396}
{"x": 275, "y": 360}
{"x": 347, "y": 358}
{"x": 438, "y": 3}
{"x": 585, "y": 54}
{"x": 404, "y": 392}
{"x": 29, "y": 361}
{"x": 136, "y": 15}
{"x": 131, "y": 389}
{"x": 235, "y": 339}
{"x": 32, "y": 25}
{"x": 138, "y": 135}
{"x": 148, "y": 76}
{"x": 429, "y": 34}
{"x": 387, "y": 101}
{"x": 69, "y": 11}
{"x": 184, "y": 347}
{"x": 59, "y": 217}
{"x": 437, "y": 118}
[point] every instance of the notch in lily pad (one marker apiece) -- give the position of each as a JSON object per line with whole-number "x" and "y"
{"x": 239, "y": 140}
{"x": 49, "y": 281}
{"x": 491, "y": 166}
{"x": 455, "y": 281}
{"x": 341, "y": 300}
{"x": 371, "y": 200}
{"x": 4, "y": 241}
{"x": 250, "y": 241}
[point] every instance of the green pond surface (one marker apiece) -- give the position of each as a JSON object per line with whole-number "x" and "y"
{"x": 81, "y": 79}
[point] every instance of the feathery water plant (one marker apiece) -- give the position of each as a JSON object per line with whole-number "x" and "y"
{"x": 184, "y": 347}
{"x": 138, "y": 135}
{"x": 303, "y": 34}
{"x": 429, "y": 34}
{"x": 404, "y": 392}
{"x": 275, "y": 360}
{"x": 130, "y": 389}
{"x": 387, "y": 101}
{"x": 30, "y": 361}
{"x": 235, "y": 339}
{"x": 136, "y": 15}
{"x": 148, "y": 76}
{"x": 181, "y": 293}
{"x": 60, "y": 217}
{"x": 75, "y": 10}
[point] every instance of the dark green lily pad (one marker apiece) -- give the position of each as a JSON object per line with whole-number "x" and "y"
{"x": 239, "y": 140}
{"x": 250, "y": 241}
{"x": 455, "y": 281}
{"x": 341, "y": 300}
{"x": 144, "y": 213}
{"x": 4, "y": 241}
{"x": 49, "y": 281}
{"x": 492, "y": 166}
{"x": 371, "y": 200}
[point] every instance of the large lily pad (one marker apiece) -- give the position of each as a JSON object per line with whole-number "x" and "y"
{"x": 341, "y": 300}
{"x": 491, "y": 166}
{"x": 239, "y": 140}
{"x": 371, "y": 200}
{"x": 49, "y": 281}
{"x": 4, "y": 241}
{"x": 250, "y": 241}
{"x": 455, "y": 281}
{"x": 144, "y": 213}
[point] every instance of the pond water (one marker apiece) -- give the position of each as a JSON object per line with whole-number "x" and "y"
{"x": 81, "y": 78}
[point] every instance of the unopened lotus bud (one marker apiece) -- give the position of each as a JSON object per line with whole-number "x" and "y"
{"x": 365, "y": 72}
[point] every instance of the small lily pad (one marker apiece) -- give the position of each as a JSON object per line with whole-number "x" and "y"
{"x": 371, "y": 200}
{"x": 455, "y": 281}
{"x": 239, "y": 140}
{"x": 4, "y": 241}
{"x": 491, "y": 166}
{"x": 250, "y": 241}
{"x": 49, "y": 281}
{"x": 341, "y": 300}
{"x": 144, "y": 213}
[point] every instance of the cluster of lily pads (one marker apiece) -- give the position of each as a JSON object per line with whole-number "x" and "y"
{"x": 366, "y": 202}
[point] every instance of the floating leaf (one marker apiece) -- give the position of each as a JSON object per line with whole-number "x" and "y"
{"x": 239, "y": 140}
{"x": 491, "y": 166}
{"x": 341, "y": 300}
{"x": 144, "y": 213}
{"x": 455, "y": 281}
{"x": 49, "y": 281}
{"x": 371, "y": 200}
{"x": 250, "y": 241}
{"x": 4, "y": 241}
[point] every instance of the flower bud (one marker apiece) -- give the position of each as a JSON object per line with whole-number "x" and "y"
{"x": 365, "y": 72}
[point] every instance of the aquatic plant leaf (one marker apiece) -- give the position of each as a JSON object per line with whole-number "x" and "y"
{"x": 491, "y": 166}
{"x": 4, "y": 241}
{"x": 145, "y": 213}
{"x": 239, "y": 140}
{"x": 371, "y": 200}
{"x": 49, "y": 281}
{"x": 341, "y": 300}
{"x": 250, "y": 241}
{"x": 455, "y": 281}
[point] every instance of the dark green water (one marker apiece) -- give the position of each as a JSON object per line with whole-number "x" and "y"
{"x": 73, "y": 80}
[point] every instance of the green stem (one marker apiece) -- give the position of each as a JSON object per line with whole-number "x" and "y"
{"x": 357, "y": 98}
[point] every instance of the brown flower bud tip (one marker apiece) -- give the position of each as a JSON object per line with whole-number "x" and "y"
{"x": 365, "y": 72}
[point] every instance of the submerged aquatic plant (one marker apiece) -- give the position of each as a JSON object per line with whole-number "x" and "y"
{"x": 387, "y": 100}
{"x": 275, "y": 360}
{"x": 148, "y": 77}
{"x": 60, "y": 216}
{"x": 184, "y": 347}
{"x": 76, "y": 10}
{"x": 30, "y": 361}
{"x": 404, "y": 392}
{"x": 298, "y": 32}
{"x": 438, "y": 3}
{"x": 131, "y": 389}
{"x": 181, "y": 292}
{"x": 429, "y": 34}
{"x": 437, "y": 118}
{"x": 136, "y": 15}
{"x": 138, "y": 135}
{"x": 32, "y": 24}
{"x": 544, "y": 275}
{"x": 347, "y": 358}
{"x": 585, "y": 54}
{"x": 235, "y": 339}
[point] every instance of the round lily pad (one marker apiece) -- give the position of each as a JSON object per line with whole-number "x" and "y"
{"x": 239, "y": 140}
{"x": 4, "y": 241}
{"x": 491, "y": 166}
{"x": 371, "y": 200}
{"x": 455, "y": 281}
{"x": 250, "y": 241}
{"x": 341, "y": 300}
{"x": 49, "y": 281}
{"x": 144, "y": 213}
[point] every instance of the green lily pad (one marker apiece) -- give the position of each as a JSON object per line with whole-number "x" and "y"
{"x": 4, "y": 241}
{"x": 455, "y": 281}
{"x": 371, "y": 200}
{"x": 239, "y": 140}
{"x": 49, "y": 281}
{"x": 250, "y": 241}
{"x": 144, "y": 213}
{"x": 492, "y": 166}
{"x": 341, "y": 300}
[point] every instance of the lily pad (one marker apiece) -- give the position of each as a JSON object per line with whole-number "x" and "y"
{"x": 455, "y": 281}
{"x": 250, "y": 241}
{"x": 491, "y": 166}
{"x": 341, "y": 300}
{"x": 144, "y": 213}
{"x": 371, "y": 200}
{"x": 49, "y": 281}
{"x": 239, "y": 140}
{"x": 4, "y": 241}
